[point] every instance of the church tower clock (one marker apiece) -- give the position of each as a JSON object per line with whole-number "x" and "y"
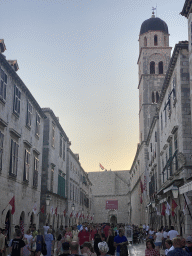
{"x": 153, "y": 61}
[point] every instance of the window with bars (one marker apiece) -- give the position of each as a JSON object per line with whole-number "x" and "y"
{"x": 170, "y": 158}
{"x": 155, "y": 40}
{"x": 26, "y": 165}
{"x": 52, "y": 179}
{"x": 176, "y": 151}
{"x": 3, "y": 85}
{"x": 17, "y": 100}
{"x": 29, "y": 113}
{"x": 37, "y": 127}
{"x": 13, "y": 158}
{"x": 160, "y": 66}
{"x": 70, "y": 191}
{"x": 1, "y": 149}
{"x": 35, "y": 171}
{"x": 152, "y": 67}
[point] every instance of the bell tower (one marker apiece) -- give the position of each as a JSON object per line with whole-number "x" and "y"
{"x": 153, "y": 61}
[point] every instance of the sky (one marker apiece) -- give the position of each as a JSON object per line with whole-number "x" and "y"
{"x": 79, "y": 58}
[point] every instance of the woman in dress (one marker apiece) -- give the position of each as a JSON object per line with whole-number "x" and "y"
{"x": 150, "y": 249}
{"x": 110, "y": 242}
{"x": 49, "y": 241}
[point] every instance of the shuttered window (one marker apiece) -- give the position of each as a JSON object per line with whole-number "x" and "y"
{"x": 61, "y": 186}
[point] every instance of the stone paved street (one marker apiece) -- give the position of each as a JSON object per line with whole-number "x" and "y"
{"x": 137, "y": 249}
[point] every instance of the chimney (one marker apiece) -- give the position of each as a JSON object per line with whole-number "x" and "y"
{"x": 2, "y": 46}
{"x": 14, "y": 64}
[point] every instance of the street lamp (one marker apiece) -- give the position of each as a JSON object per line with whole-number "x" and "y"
{"x": 146, "y": 209}
{"x": 47, "y": 200}
{"x": 73, "y": 207}
{"x": 175, "y": 191}
{"x": 153, "y": 204}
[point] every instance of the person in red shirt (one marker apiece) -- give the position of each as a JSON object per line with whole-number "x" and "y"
{"x": 92, "y": 233}
{"x": 106, "y": 229}
{"x": 83, "y": 236}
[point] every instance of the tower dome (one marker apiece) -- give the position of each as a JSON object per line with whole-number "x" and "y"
{"x": 154, "y": 24}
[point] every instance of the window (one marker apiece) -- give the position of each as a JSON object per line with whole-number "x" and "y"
{"x": 165, "y": 113}
{"x": 176, "y": 151}
{"x": 165, "y": 41}
{"x": 70, "y": 191}
{"x": 64, "y": 150}
{"x": 29, "y": 113}
{"x": 35, "y": 171}
{"x": 52, "y": 179}
{"x": 73, "y": 192}
{"x": 1, "y": 149}
{"x": 170, "y": 157}
{"x": 3, "y": 85}
{"x": 26, "y": 165}
{"x": 13, "y": 158}
{"x": 37, "y": 129}
{"x": 155, "y": 97}
{"x": 161, "y": 122}
{"x": 151, "y": 147}
{"x": 152, "y": 67}
{"x": 17, "y": 100}
{"x": 53, "y": 135}
{"x": 163, "y": 170}
{"x": 174, "y": 88}
{"x": 145, "y": 41}
{"x": 160, "y": 67}
{"x": 60, "y": 146}
{"x": 155, "y": 40}
{"x": 61, "y": 184}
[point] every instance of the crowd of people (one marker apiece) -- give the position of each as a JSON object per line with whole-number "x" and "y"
{"x": 164, "y": 238}
{"x": 86, "y": 240}
{"x": 93, "y": 240}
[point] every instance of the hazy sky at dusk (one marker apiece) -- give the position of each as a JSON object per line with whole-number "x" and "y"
{"x": 79, "y": 57}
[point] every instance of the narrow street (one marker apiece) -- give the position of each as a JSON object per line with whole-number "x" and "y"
{"x": 137, "y": 249}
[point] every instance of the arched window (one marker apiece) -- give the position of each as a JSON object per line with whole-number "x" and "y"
{"x": 161, "y": 67}
{"x": 153, "y": 97}
{"x": 155, "y": 40}
{"x": 165, "y": 41}
{"x": 152, "y": 67}
{"x": 145, "y": 41}
{"x": 157, "y": 97}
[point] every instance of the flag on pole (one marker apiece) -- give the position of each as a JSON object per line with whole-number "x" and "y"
{"x": 174, "y": 205}
{"x": 141, "y": 185}
{"x": 101, "y": 166}
{"x": 71, "y": 215}
{"x": 64, "y": 212}
{"x": 22, "y": 226}
{"x": 163, "y": 210}
{"x": 185, "y": 209}
{"x": 187, "y": 199}
{"x": 168, "y": 208}
{"x": 12, "y": 203}
{"x": 52, "y": 210}
{"x": 43, "y": 208}
{"x": 141, "y": 200}
{"x": 56, "y": 211}
{"x": 35, "y": 208}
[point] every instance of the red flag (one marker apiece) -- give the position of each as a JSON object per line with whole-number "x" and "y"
{"x": 101, "y": 166}
{"x": 141, "y": 200}
{"x": 71, "y": 215}
{"x": 12, "y": 203}
{"x": 56, "y": 211}
{"x": 43, "y": 208}
{"x": 83, "y": 216}
{"x": 141, "y": 185}
{"x": 77, "y": 215}
{"x": 80, "y": 216}
{"x": 163, "y": 210}
{"x": 88, "y": 216}
{"x": 174, "y": 205}
{"x": 64, "y": 212}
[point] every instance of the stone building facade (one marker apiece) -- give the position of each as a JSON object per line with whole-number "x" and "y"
{"x": 21, "y": 141}
{"x": 161, "y": 171}
{"x": 110, "y": 190}
{"x": 54, "y": 170}
{"x": 79, "y": 192}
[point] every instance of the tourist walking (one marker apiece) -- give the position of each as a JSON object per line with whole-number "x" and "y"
{"x": 103, "y": 248}
{"x": 158, "y": 237}
{"x": 110, "y": 242}
{"x": 120, "y": 242}
{"x": 178, "y": 251}
{"x": 49, "y": 242}
{"x": 150, "y": 249}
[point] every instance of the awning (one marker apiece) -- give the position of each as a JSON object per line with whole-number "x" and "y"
{"x": 185, "y": 188}
{"x": 163, "y": 200}
{"x": 168, "y": 189}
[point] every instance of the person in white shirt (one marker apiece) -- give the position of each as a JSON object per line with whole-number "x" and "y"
{"x": 46, "y": 228}
{"x": 172, "y": 233}
{"x": 151, "y": 233}
{"x": 169, "y": 246}
{"x": 29, "y": 237}
{"x": 144, "y": 227}
{"x": 147, "y": 229}
{"x": 158, "y": 239}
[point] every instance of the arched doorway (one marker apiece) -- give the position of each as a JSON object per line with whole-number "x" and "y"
{"x": 22, "y": 222}
{"x": 32, "y": 219}
{"x": 113, "y": 220}
{"x": 8, "y": 224}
